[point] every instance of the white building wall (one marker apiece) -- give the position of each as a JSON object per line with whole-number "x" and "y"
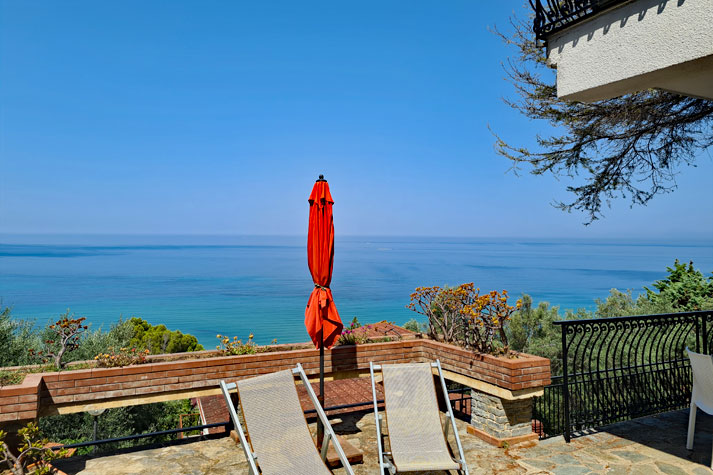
{"x": 639, "y": 45}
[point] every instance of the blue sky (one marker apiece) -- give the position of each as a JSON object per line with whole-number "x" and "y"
{"x": 216, "y": 117}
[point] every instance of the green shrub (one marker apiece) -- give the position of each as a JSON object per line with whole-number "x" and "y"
{"x": 16, "y": 337}
{"x": 158, "y": 339}
{"x": 685, "y": 289}
{"x": 31, "y": 455}
{"x": 415, "y": 326}
{"x": 117, "y": 422}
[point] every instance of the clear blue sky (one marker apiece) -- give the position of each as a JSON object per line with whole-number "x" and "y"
{"x": 216, "y": 117}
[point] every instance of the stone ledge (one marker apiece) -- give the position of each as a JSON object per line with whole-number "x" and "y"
{"x": 492, "y": 389}
{"x": 501, "y": 442}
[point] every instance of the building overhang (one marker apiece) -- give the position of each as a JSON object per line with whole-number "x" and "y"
{"x": 617, "y": 48}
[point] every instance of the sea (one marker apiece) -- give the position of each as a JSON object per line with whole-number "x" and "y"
{"x": 237, "y": 285}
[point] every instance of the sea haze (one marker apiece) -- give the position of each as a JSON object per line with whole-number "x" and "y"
{"x": 235, "y": 285}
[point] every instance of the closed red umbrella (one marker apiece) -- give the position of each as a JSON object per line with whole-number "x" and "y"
{"x": 321, "y": 317}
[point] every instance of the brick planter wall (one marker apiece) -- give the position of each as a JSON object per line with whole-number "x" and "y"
{"x": 513, "y": 374}
{"x": 74, "y": 391}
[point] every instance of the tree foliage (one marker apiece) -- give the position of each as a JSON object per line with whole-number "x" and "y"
{"x": 158, "y": 339}
{"x": 117, "y": 422}
{"x": 626, "y": 147}
{"x": 685, "y": 287}
{"x": 31, "y": 455}
{"x": 531, "y": 328}
{"x": 17, "y": 336}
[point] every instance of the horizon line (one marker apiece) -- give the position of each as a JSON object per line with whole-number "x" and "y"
{"x": 304, "y": 235}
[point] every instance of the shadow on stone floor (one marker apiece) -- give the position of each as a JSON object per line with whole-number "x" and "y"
{"x": 665, "y": 433}
{"x": 651, "y": 445}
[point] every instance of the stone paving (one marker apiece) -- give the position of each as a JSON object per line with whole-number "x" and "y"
{"x": 651, "y": 445}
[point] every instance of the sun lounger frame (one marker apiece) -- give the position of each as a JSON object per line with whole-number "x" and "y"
{"x": 329, "y": 434}
{"x": 384, "y": 461}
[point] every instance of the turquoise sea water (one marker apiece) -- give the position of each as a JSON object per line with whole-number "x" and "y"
{"x": 206, "y": 285}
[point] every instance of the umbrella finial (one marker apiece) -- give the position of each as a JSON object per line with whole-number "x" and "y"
{"x": 321, "y": 178}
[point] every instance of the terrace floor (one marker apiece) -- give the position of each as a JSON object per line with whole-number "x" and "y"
{"x": 644, "y": 446}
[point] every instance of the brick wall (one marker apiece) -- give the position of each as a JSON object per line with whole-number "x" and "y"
{"x": 40, "y": 392}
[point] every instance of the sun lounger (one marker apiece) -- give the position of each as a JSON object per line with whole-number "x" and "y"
{"x": 417, "y": 439}
{"x": 278, "y": 439}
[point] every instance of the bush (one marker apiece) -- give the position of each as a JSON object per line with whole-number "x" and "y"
{"x": 158, "y": 339}
{"x": 123, "y": 357}
{"x": 100, "y": 341}
{"x": 462, "y": 316}
{"x": 235, "y": 346}
{"x": 16, "y": 336}
{"x": 31, "y": 456}
{"x": 117, "y": 422}
{"x": 7, "y": 328}
{"x": 532, "y": 330}
{"x": 415, "y": 326}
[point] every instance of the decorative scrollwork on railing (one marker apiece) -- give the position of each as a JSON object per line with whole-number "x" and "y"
{"x": 553, "y": 15}
{"x": 617, "y": 369}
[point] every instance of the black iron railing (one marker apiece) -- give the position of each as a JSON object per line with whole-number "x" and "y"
{"x": 616, "y": 369}
{"x": 554, "y": 15}
{"x": 460, "y": 404}
{"x": 548, "y": 410}
{"x": 128, "y": 438}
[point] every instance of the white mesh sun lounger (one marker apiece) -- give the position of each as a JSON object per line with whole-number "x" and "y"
{"x": 416, "y": 436}
{"x": 278, "y": 439}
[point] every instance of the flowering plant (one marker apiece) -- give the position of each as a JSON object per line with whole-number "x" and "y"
{"x": 235, "y": 346}
{"x": 354, "y": 334}
{"x": 123, "y": 357}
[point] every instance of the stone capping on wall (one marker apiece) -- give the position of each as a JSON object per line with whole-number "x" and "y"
{"x": 42, "y": 394}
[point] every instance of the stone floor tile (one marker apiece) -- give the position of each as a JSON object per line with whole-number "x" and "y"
{"x": 632, "y": 448}
{"x": 571, "y": 470}
{"x": 701, "y": 471}
{"x": 670, "y": 469}
{"x": 631, "y": 455}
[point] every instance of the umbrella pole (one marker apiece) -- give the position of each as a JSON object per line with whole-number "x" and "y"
{"x": 320, "y": 427}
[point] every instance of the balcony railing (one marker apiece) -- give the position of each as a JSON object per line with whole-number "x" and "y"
{"x": 554, "y": 15}
{"x": 616, "y": 369}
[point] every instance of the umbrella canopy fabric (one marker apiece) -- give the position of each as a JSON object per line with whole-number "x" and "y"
{"x": 321, "y": 314}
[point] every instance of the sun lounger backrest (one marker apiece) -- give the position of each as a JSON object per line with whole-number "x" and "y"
{"x": 276, "y": 426}
{"x": 413, "y": 419}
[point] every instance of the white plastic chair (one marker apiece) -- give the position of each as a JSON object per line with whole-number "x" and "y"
{"x": 702, "y": 393}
